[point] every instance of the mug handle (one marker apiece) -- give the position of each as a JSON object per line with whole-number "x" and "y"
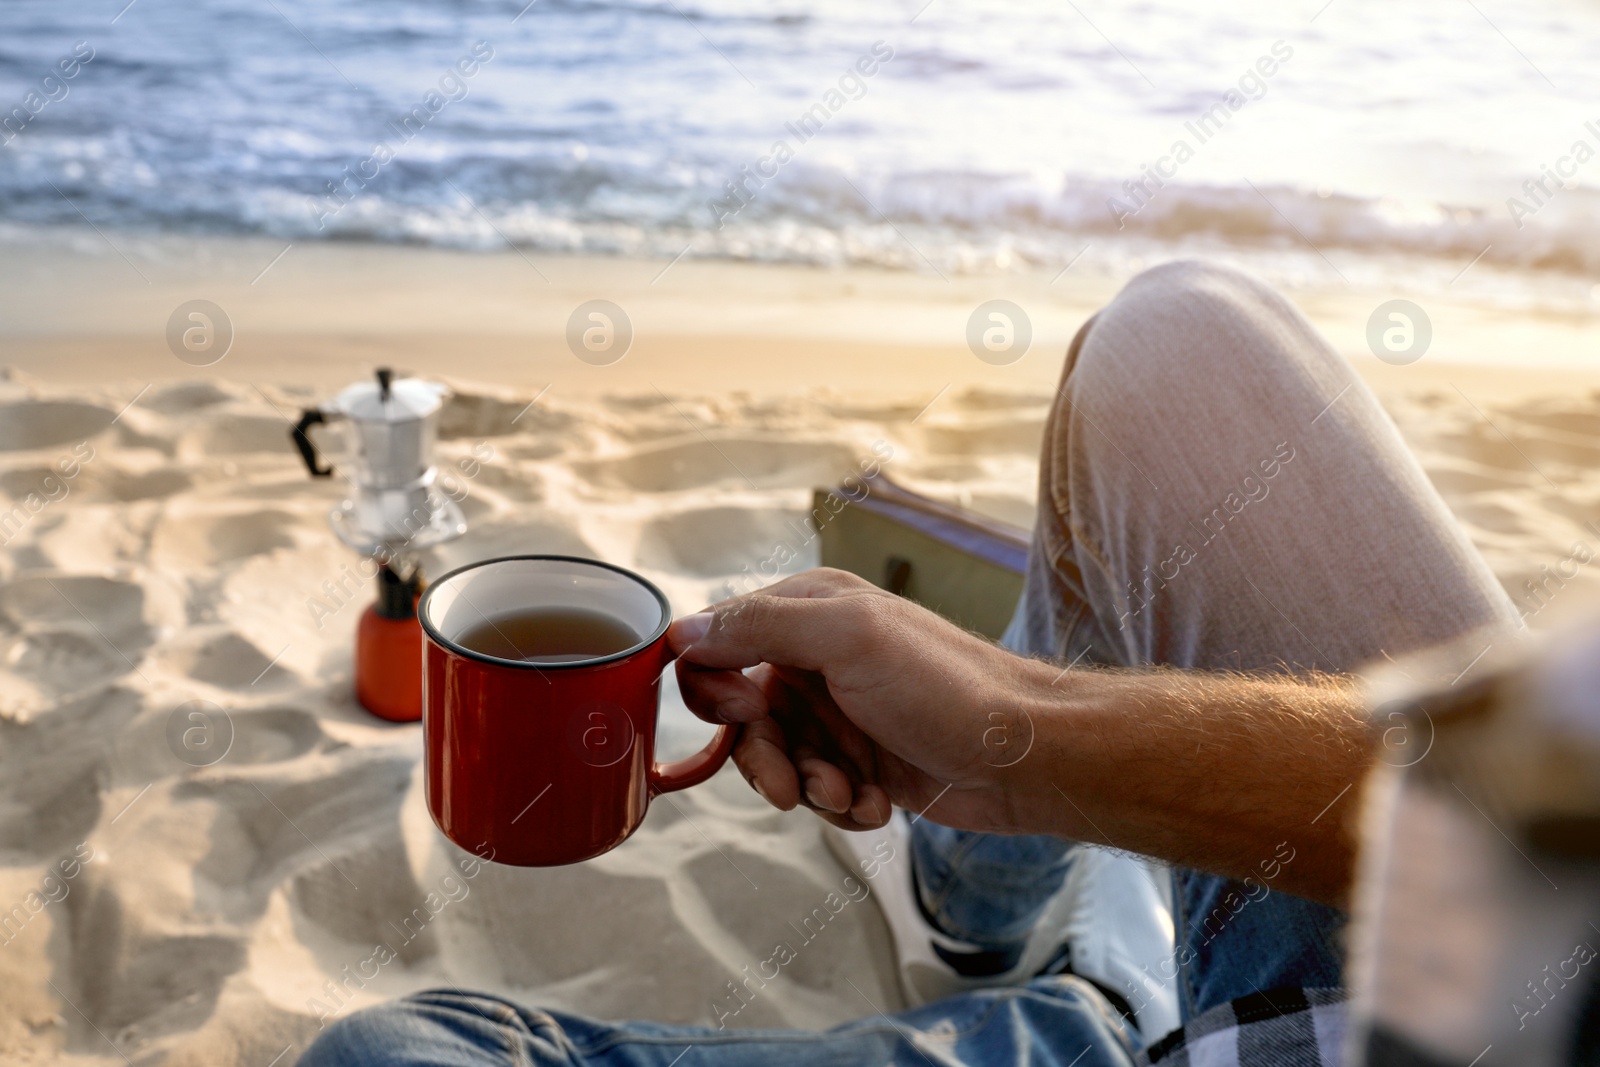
{"x": 681, "y": 774}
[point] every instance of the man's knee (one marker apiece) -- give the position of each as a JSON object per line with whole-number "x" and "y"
{"x": 1189, "y": 329}
{"x": 1191, "y": 359}
{"x": 1194, "y": 291}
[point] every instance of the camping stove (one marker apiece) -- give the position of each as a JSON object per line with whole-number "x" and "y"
{"x": 393, "y": 512}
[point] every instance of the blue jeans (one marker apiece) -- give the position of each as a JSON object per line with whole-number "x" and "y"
{"x": 1217, "y": 490}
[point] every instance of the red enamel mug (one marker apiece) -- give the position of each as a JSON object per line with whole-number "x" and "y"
{"x": 537, "y": 763}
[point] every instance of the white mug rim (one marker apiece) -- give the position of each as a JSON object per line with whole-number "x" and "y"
{"x": 455, "y": 648}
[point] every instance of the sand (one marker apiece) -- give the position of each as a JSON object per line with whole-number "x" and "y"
{"x": 169, "y": 561}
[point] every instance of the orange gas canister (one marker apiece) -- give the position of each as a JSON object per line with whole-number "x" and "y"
{"x": 389, "y": 650}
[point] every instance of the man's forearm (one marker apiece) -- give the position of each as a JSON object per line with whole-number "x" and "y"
{"x": 1239, "y": 775}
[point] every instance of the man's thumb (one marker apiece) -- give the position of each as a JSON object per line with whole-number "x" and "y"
{"x": 761, "y": 628}
{"x": 689, "y": 629}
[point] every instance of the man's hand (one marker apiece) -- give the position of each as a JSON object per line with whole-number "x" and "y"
{"x": 859, "y": 699}
{"x": 856, "y": 700}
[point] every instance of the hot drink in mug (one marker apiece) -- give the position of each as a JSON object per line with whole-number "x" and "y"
{"x": 541, "y": 683}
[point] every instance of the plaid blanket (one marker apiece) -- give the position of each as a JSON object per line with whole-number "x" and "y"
{"x": 1279, "y": 1028}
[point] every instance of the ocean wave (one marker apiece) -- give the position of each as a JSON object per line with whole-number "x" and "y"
{"x": 990, "y": 142}
{"x": 949, "y": 221}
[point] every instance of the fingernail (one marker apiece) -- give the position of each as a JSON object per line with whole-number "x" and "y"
{"x": 755, "y": 783}
{"x": 815, "y": 794}
{"x": 692, "y": 628}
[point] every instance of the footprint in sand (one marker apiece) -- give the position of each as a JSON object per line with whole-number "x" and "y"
{"x": 534, "y": 449}
{"x": 1534, "y": 446}
{"x": 706, "y": 542}
{"x": 795, "y": 911}
{"x": 312, "y": 824}
{"x": 1505, "y": 514}
{"x": 36, "y": 424}
{"x": 55, "y": 663}
{"x": 218, "y": 656}
{"x": 63, "y": 634}
{"x": 473, "y": 415}
{"x": 64, "y": 600}
{"x": 1562, "y": 416}
{"x": 882, "y": 412}
{"x": 1457, "y": 479}
{"x": 1580, "y": 506}
{"x": 463, "y": 477}
{"x": 977, "y": 398}
{"x": 1545, "y": 445}
{"x": 45, "y": 482}
{"x": 131, "y": 971}
{"x": 179, "y": 739}
{"x": 236, "y": 432}
{"x": 380, "y": 904}
{"x": 52, "y": 772}
{"x": 592, "y": 900}
{"x": 186, "y": 540}
{"x": 511, "y": 537}
{"x": 91, "y": 480}
{"x": 273, "y": 735}
{"x": 972, "y": 437}
{"x": 184, "y": 397}
{"x": 129, "y": 486}
{"x": 733, "y": 461}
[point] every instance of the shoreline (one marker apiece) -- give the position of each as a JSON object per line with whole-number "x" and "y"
{"x": 688, "y": 365}
{"x": 75, "y": 308}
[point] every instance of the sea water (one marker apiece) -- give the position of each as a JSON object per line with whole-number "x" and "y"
{"x": 1398, "y": 137}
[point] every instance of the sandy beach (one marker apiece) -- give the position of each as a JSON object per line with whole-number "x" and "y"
{"x": 321, "y": 314}
{"x": 165, "y": 552}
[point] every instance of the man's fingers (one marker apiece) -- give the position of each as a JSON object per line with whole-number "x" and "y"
{"x": 720, "y": 696}
{"x": 826, "y": 786}
{"x": 763, "y": 759}
{"x": 807, "y": 621}
{"x": 786, "y": 778}
{"x": 872, "y": 808}
{"x": 870, "y": 811}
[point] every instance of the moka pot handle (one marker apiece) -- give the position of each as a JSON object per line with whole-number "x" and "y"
{"x": 308, "y": 449}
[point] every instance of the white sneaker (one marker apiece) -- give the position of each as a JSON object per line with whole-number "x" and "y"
{"x": 1119, "y": 934}
{"x": 1110, "y": 910}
